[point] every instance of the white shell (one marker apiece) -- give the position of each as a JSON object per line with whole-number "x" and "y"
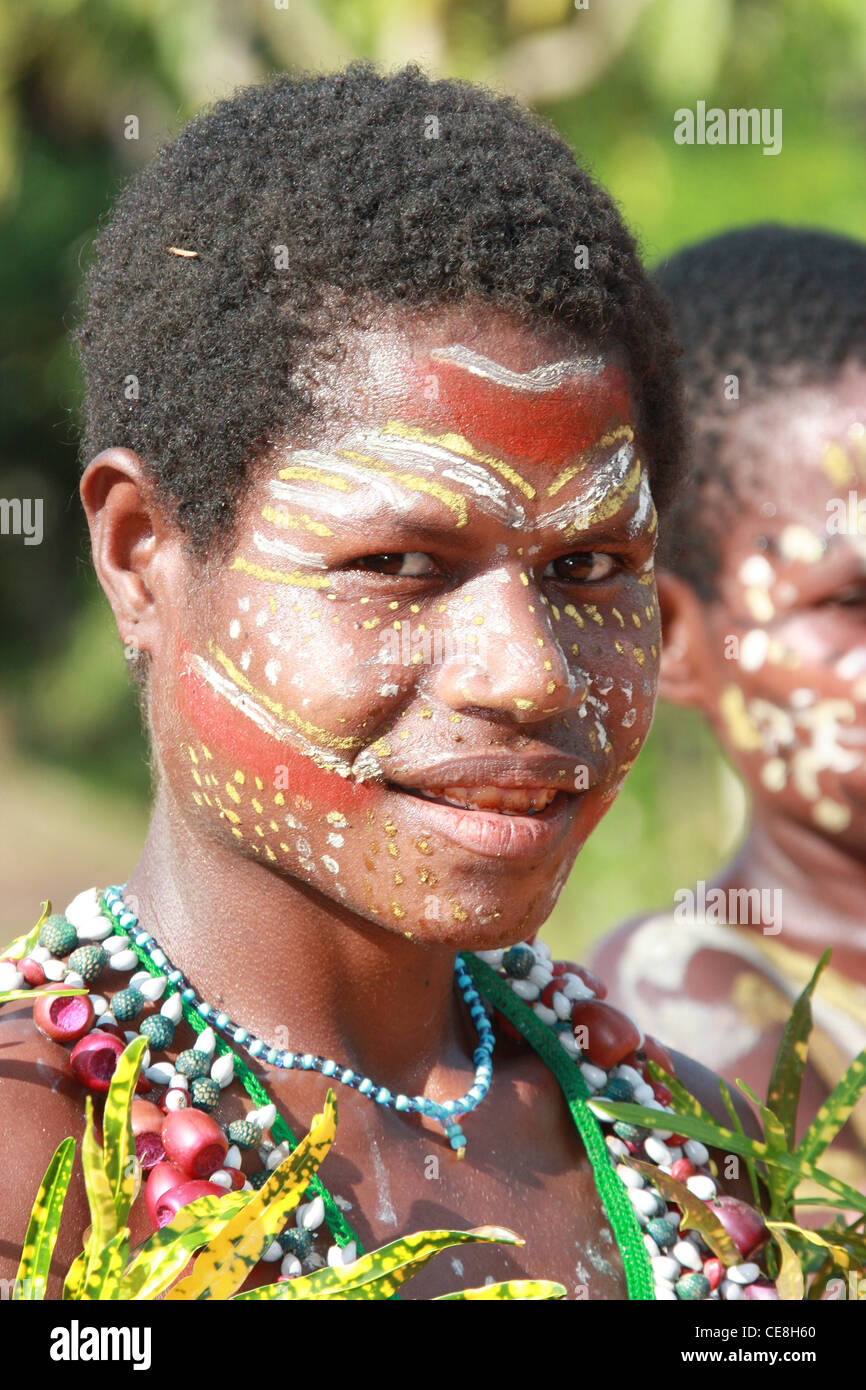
{"x": 233, "y": 1157}
{"x": 310, "y": 1215}
{"x": 701, "y": 1187}
{"x": 10, "y": 976}
{"x": 731, "y": 1291}
{"x": 743, "y": 1274}
{"x": 697, "y": 1152}
{"x": 179, "y": 1082}
{"x": 629, "y": 1074}
{"x": 83, "y": 908}
{"x": 107, "y": 1020}
{"x": 160, "y": 1073}
{"x": 116, "y": 943}
{"x": 273, "y": 1253}
{"x": 643, "y": 1094}
{"x": 573, "y": 987}
{"x": 172, "y": 1009}
{"x": 264, "y": 1117}
{"x": 223, "y": 1070}
{"x": 290, "y": 1266}
{"x": 656, "y": 1150}
{"x": 630, "y": 1176}
{"x": 666, "y": 1268}
{"x": 206, "y": 1042}
{"x": 644, "y": 1202}
{"x": 546, "y": 1015}
{"x": 688, "y": 1256}
{"x": 525, "y": 990}
{"x": 664, "y": 1293}
{"x": 136, "y": 980}
{"x": 221, "y": 1178}
{"x": 96, "y": 929}
{"x": 540, "y": 975}
{"x": 175, "y": 1100}
{"x": 73, "y": 979}
{"x": 123, "y": 960}
{"x": 561, "y": 1005}
{"x": 593, "y": 1075}
{"x": 153, "y": 987}
{"x": 54, "y": 969}
{"x": 40, "y": 954}
{"x": 100, "y": 1004}
{"x": 338, "y": 1258}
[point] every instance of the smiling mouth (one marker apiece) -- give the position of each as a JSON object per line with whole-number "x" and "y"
{"x": 505, "y": 801}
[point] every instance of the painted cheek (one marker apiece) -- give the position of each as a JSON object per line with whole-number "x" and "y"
{"x": 551, "y": 427}
{"x": 226, "y": 731}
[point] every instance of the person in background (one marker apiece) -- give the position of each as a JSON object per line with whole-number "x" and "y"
{"x": 763, "y": 599}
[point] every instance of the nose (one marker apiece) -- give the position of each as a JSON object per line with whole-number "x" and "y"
{"x": 506, "y": 658}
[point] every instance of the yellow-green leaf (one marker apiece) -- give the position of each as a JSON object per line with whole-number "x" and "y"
{"x": 790, "y": 1282}
{"x": 103, "y": 1278}
{"x": 32, "y": 1276}
{"x": 103, "y": 1217}
{"x": 23, "y": 945}
{"x": 7, "y": 996}
{"x": 524, "y": 1289}
{"x": 786, "y": 1078}
{"x": 697, "y": 1216}
{"x": 834, "y": 1112}
{"x": 220, "y": 1269}
{"x": 380, "y": 1273}
{"x": 160, "y": 1259}
{"x": 118, "y": 1145}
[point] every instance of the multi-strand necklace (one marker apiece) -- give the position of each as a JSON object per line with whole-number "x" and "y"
{"x": 540, "y": 999}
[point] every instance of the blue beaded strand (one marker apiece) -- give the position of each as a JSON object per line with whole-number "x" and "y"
{"x": 446, "y": 1114}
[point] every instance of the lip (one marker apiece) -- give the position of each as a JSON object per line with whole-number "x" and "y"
{"x": 491, "y": 834}
{"x": 532, "y": 772}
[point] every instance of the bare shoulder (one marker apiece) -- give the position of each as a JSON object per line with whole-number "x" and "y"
{"x": 40, "y": 1105}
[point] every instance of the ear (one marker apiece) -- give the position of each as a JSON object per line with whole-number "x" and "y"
{"x": 129, "y": 538}
{"x": 686, "y": 666}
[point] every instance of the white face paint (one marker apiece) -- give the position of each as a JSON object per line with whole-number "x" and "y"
{"x": 539, "y": 379}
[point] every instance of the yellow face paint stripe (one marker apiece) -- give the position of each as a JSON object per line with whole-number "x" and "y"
{"x": 269, "y": 576}
{"x": 610, "y": 504}
{"x": 290, "y": 522}
{"x": 289, "y": 716}
{"x": 458, "y": 444}
{"x": 452, "y": 500}
{"x": 305, "y": 473}
{"x": 622, "y": 432}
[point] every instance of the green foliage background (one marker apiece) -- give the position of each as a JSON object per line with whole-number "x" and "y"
{"x": 609, "y": 74}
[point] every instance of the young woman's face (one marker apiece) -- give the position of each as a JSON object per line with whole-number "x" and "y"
{"x": 419, "y": 678}
{"x": 790, "y": 688}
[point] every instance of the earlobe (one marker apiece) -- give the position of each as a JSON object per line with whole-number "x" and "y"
{"x": 684, "y": 669}
{"x": 124, "y": 531}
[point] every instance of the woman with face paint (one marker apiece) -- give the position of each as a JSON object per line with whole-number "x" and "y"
{"x": 380, "y": 407}
{"x": 763, "y": 598}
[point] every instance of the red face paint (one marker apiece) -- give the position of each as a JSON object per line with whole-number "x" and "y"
{"x": 225, "y": 730}
{"x": 551, "y": 427}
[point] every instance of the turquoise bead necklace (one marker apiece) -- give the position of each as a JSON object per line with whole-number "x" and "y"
{"x": 446, "y": 1114}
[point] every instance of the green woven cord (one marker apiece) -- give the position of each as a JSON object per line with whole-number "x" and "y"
{"x": 618, "y": 1208}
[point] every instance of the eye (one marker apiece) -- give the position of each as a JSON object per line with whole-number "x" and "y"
{"x": 411, "y": 563}
{"x": 581, "y": 567}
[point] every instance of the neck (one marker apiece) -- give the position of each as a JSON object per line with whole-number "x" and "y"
{"x": 293, "y": 967}
{"x": 823, "y": 887}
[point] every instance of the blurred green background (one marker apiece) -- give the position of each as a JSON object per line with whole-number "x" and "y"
{"x": 610, "y": 75}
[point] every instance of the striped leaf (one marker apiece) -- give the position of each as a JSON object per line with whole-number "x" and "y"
{"x": 834, "y": 1112}
{"x": 728, "y": 1140}
{"x": 697, "y": 1216}
{"x": 381, "y": 1273}
{"x": 786, "y": 1078}
{"x": 118, "y": 1144}
{"x": 222, "y": 1267}
{"x": 44, "y": 1223}
{"x": 524, "y": 1289}
{"x": 103, "y": 1278}
{"x": 776, "y": 1140}
{"x": 790, "y": 1281}
{"x": 23, "y": 945}
{"x": 8, "y": 995}
{"x": 103, "y": 1217}
{"x": 161, "y": 1258}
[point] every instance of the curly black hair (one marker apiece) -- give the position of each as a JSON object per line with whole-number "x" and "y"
{"x": 781, "y": 308}
{"x": 395, "y": 189}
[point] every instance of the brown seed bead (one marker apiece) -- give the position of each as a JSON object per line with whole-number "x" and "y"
{"x": 609, "y": 1034}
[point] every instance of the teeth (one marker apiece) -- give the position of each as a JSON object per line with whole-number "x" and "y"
{"x": 514, "y": 801}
